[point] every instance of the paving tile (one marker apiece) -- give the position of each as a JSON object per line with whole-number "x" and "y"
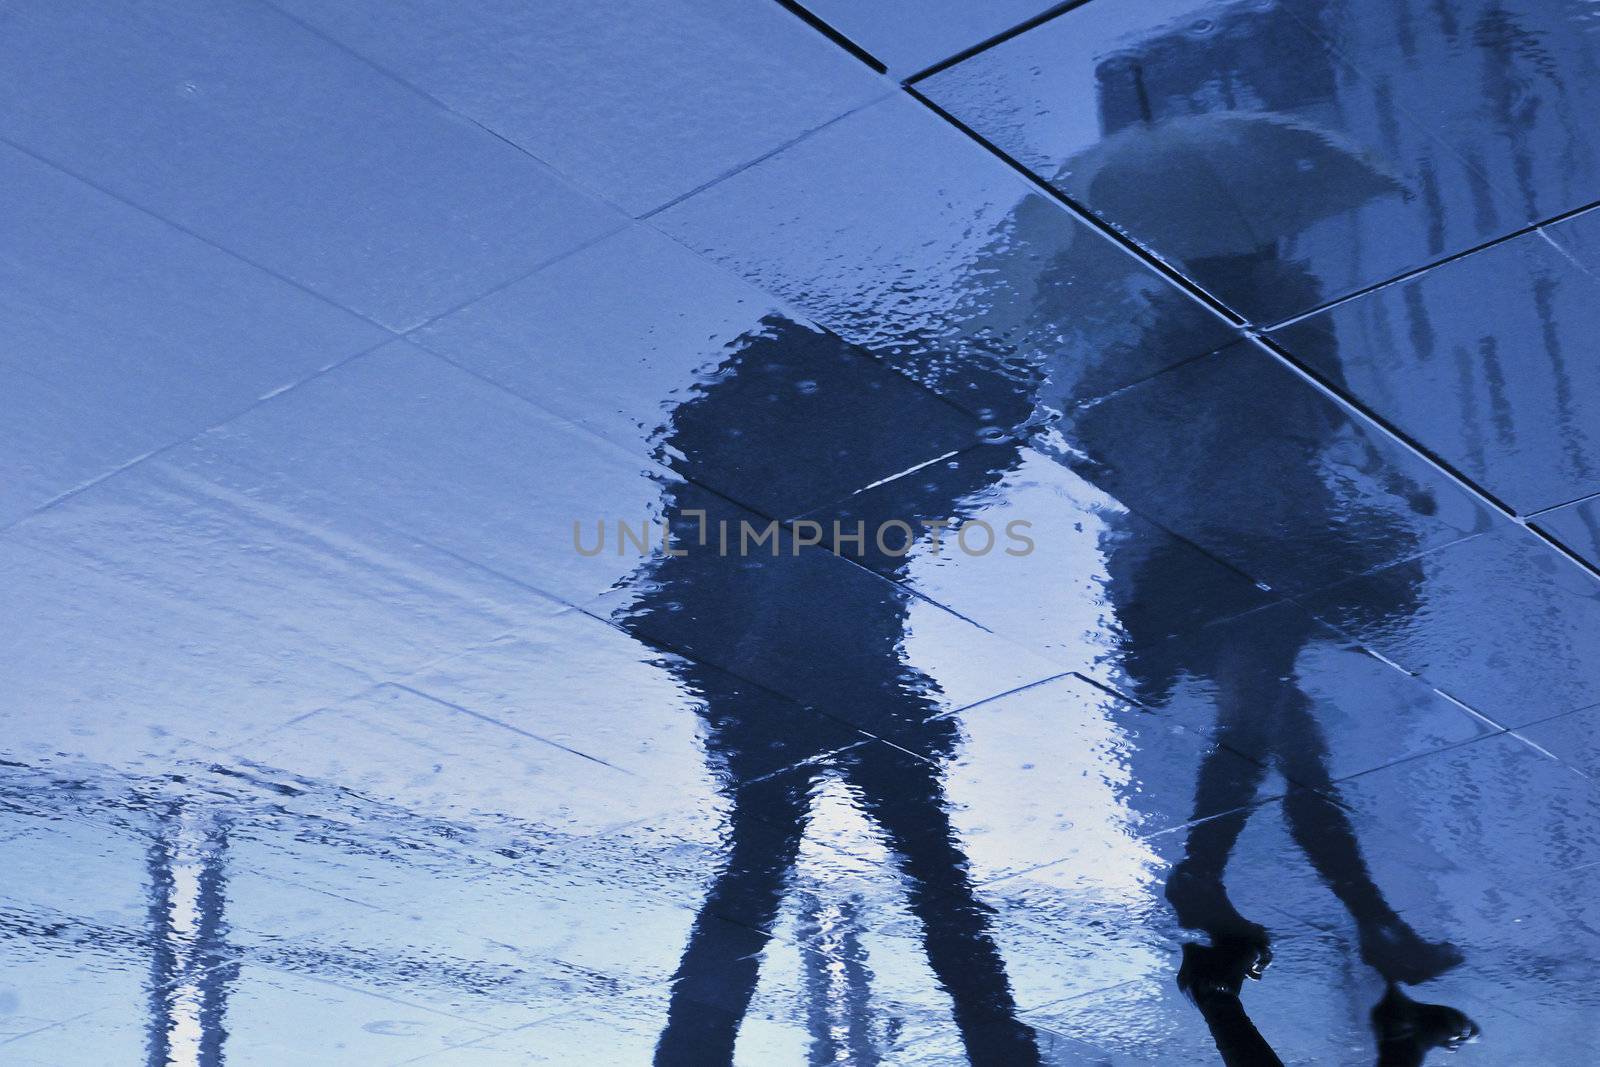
{"x": 241, "y": 126}
{"x": 908, "y": 37}
{"x": 347, "y": 447}
{"x": 266, "y": 540}
{"x": 430, "y": 757}
{"x": 71, "y": 920}
{"x": 1322, "y": 151}
{"x": 1480, "y": 361}
{"x": 123, "y": 335}
{"x": 1577, "y": 526}
{"x": 527, "y": 916}
{"x": 674, "y": 357}
{"x": 1243, "y": 458}
{"x": 1501, "y": 622}
{"x": 641, "y": 102}
{"x": 273, "y": 1017}
{"x": 92, "y": 884}
{"x": 626, "y": 1029}
{"x": 902, "y": 236}
{"x": 1454, "y": 812}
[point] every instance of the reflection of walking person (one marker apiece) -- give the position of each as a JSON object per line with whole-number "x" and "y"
{"x": 762, "y": 613}
{"x": 1260, "y": 706}
{"x": 1253, "y": 178}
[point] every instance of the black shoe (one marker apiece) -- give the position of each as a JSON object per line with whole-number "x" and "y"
{"x": 1398, "y": 953}
{"x": 1201, "y": 903}
{"x": 1404, "y": 1025}
{"x": 1219, "y": 969}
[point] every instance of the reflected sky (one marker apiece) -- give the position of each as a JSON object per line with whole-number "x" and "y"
{"x": 327, "y": 740}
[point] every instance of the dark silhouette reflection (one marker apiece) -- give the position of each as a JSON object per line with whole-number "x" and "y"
{"x": 760, "y": 616}
{"x": 191, "y": 969}
{"x": 1261, "y": 708}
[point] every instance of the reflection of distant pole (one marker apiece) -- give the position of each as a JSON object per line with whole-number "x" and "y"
{"x": 837, "y": 985}
{"x": 189, "y": 974}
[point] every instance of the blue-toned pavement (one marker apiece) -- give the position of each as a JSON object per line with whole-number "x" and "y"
{"x": 708, "y": 532}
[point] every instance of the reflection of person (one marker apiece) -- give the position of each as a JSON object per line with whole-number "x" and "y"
{"x": 1276, "y": 482}
{"x": 758, "y": 614}
{"x": 1260, "y": 706}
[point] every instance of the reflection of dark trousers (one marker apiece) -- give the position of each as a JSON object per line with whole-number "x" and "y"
{"x": 770, "y": 622}
{"x": 1263, "y": 710}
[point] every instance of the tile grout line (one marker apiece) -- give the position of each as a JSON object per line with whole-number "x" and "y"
{"x": 817, "y": 23}
{"x": 734, "y": 171}
{"x": 1031, "y": 23}
{"x": 1584, "y": 499}
{"x": 154, "y": 453}
{"x": 1444, "y": 261}
{"x": 196, "y": 236}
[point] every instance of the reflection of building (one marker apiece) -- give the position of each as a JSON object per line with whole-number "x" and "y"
{"x": 838, "y": 990}
{"x": 191, "y": 966}
{"x": 1188, "y": 71}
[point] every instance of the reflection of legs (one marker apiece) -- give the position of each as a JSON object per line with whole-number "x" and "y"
{"x": 717, "y": 975}
{"x": 1212, "y": 975}
{"x": 1407, "y": 1031}
{"x": 1194, "y": 887}
{"x": 1319, "y": 823}
{"x": 1226, "y": 785}
{"x": 1322, "y": 828}
{"x": 1248, "y": 686}
{"x": 905, "y": 797}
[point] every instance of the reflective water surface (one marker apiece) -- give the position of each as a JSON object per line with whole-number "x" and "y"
{"x": 668, "y": 549}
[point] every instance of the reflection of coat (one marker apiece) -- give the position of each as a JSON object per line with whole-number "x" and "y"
{"x": 829, "y": 629}
{"x": 1242, "y": 477}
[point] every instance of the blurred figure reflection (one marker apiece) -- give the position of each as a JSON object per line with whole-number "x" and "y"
{"x": 1153, "y": 103}
{"x": 758, "y": 615}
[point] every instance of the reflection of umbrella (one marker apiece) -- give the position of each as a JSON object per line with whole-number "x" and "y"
{"x": 1221, "y": 184}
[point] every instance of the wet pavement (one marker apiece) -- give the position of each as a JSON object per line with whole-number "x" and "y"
{"x": 747, "y": 533}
